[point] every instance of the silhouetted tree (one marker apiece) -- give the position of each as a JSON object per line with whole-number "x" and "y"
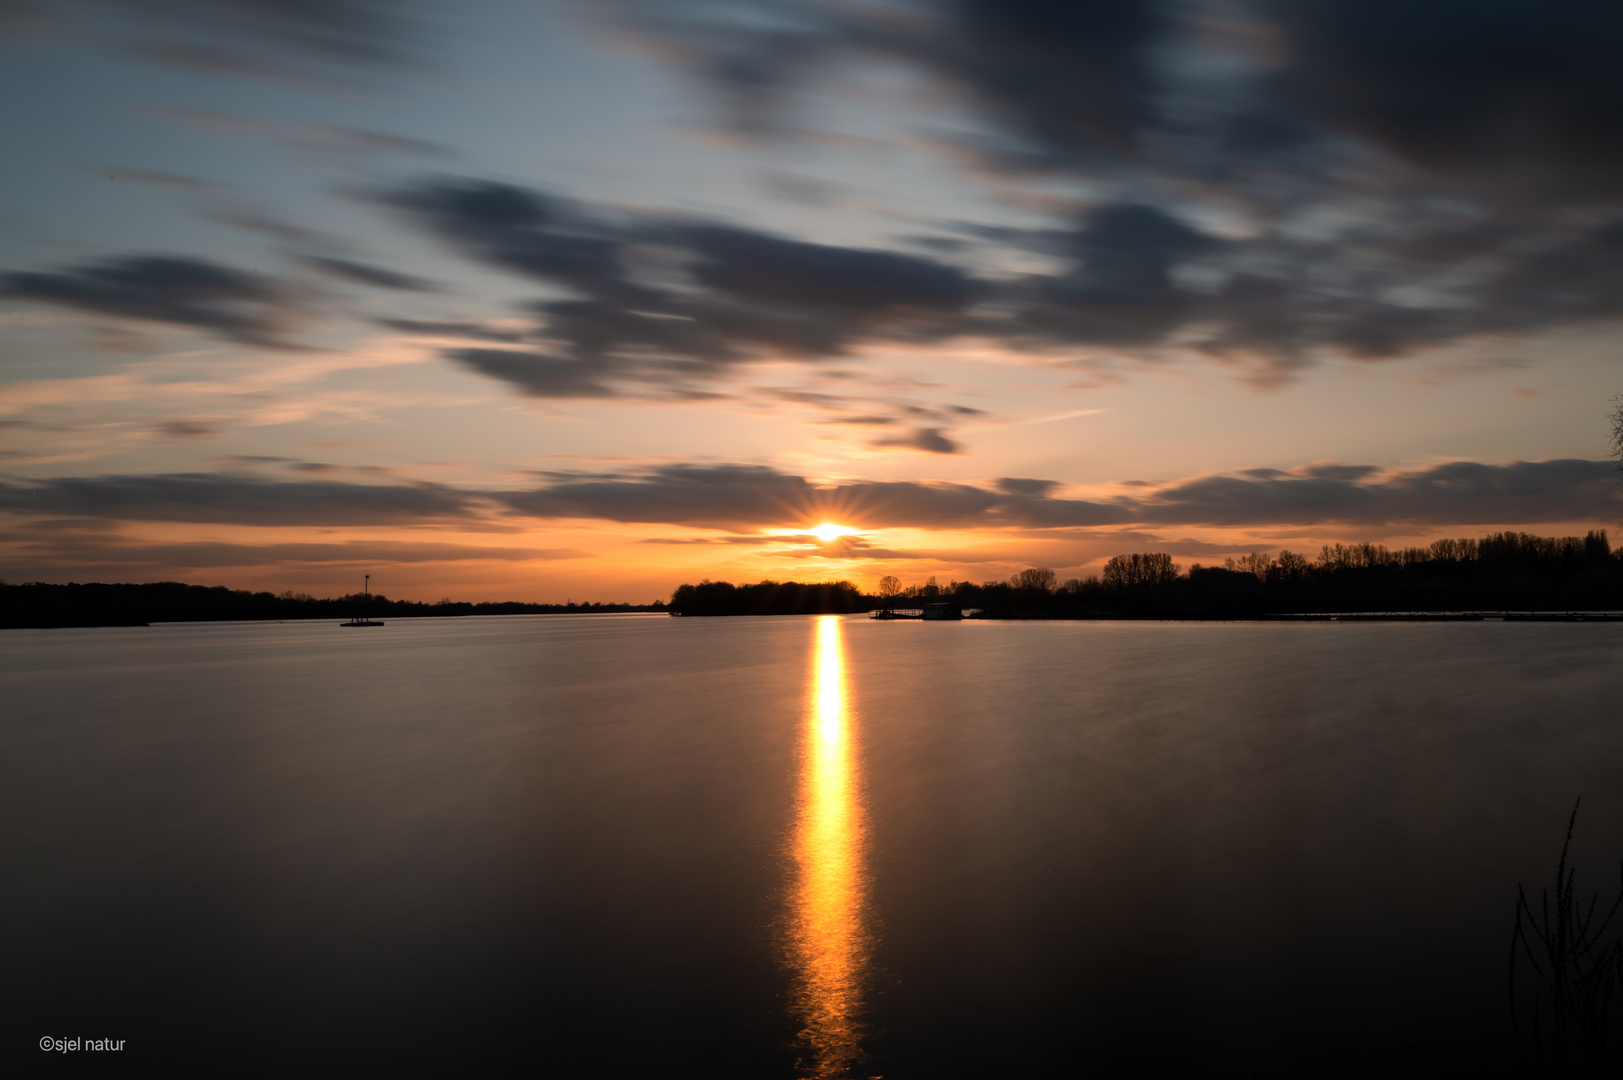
{"x": 1151, "y": 568}
{"x": 1617, "y": 430}
{"x": 1255, "y": 563}
{"x": 767, "y": 598}
{"x": 1291, "y": 567}
{"x": 1037, "y": 579}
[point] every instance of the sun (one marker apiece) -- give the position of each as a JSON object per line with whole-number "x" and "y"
{"x": 827, "y": 532}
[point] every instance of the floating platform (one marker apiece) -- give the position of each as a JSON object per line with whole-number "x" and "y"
{"x": 930, "y": 612}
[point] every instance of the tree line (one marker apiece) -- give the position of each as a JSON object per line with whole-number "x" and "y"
{"x": 46, "y": 605}
{"x": 769, "y": 598}
{"x": 1503, "y": 571}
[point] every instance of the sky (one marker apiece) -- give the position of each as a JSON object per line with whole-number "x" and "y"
{"x": 547, "y": 300}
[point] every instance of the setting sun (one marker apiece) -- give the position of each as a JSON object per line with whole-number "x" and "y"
{"x": 826, "y": 532}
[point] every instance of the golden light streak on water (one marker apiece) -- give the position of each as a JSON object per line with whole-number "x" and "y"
{"x": 830, "y": 937}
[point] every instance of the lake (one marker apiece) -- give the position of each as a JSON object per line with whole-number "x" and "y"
{"x": 793, "y": 847}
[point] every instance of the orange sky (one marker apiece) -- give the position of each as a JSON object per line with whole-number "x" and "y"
{"x": 573, "y": 305}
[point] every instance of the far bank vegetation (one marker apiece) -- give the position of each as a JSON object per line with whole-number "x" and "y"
{"x": 1500, "y": 572}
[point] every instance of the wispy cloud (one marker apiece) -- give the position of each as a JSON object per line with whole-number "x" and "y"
{"x": 174, "y": 289}
{"x": 1268, "y": 184}
{"x": 1343, "y": 496}
{"x": 235, "y": 499}
{"x": 660, "y": 307}
{"x": 760, "y": 507}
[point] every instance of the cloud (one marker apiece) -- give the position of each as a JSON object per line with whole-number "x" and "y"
{"x": 233, "y": 499}
{"x": 1021, "y": 485}
{"x": 515, "y": 229}
{"x": 758, "y": 268}
{"x": 655, "y": 307}
{"x": 1460, "y": 492}
{"x": 187, "y": 429}
{"x": 1343, "y": 497}
{"x": 17, "y": 17}
{"x": 1459, "y": 86}
{"x": 168, "y": 289}
{"x": 929, "y": 440}
{"x": 1206, "y": 87}
{"x": 748, "y": 498}
{"x": 149, "y": 178}
{"x": 34, "y": 553}
{"x": 1268, "y": 183}
{"x": 452, "y": 328}
{"x": 321, "y": 136}
{"x": 1067, "y": 75}
{"x": 325, "y": 42}
{"x": 537, "y": 374}
{"x": 1140, "y": 277}
{"x": 862, "y": 420}
{"x": 367, "y": 274}
{"x": 1265, "y": 183}
{"x": 1119, "y": 290}
{"x": 846, "y": 547}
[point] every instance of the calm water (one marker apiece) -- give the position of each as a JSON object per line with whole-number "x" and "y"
{"x": 643, "y": 846}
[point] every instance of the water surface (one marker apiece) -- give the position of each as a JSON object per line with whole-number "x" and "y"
{"x": 822, "y": 847}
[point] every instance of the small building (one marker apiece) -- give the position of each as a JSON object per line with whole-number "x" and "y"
{"x": 943, "y": 611}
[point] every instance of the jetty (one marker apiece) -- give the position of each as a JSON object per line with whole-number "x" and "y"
{"x": 931, "y": 612}
{"x": 360, "y": 618}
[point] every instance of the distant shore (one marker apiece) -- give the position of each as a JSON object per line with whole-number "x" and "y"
{"x": 43, "y": 606}
{"x": 1448, "y": 579}
{"x": 1503, "y": 576}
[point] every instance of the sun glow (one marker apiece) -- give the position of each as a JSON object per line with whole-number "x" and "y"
{"x": 830, "y": 934}
{"x": 826, "y": 532}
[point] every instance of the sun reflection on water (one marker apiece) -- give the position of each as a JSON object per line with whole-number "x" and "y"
{"x": 830, "y": 938}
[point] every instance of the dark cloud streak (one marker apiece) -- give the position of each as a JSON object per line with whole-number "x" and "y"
{"x": 1338, "y": 496}
{"x": 1406, "y": 176}
{"x": 660, "y": 308}
{"x": 173, "y": 289}
{"x": 233, "y": 499}
{"x": 743, "y": 498}
{"x": 366, "y": 274}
